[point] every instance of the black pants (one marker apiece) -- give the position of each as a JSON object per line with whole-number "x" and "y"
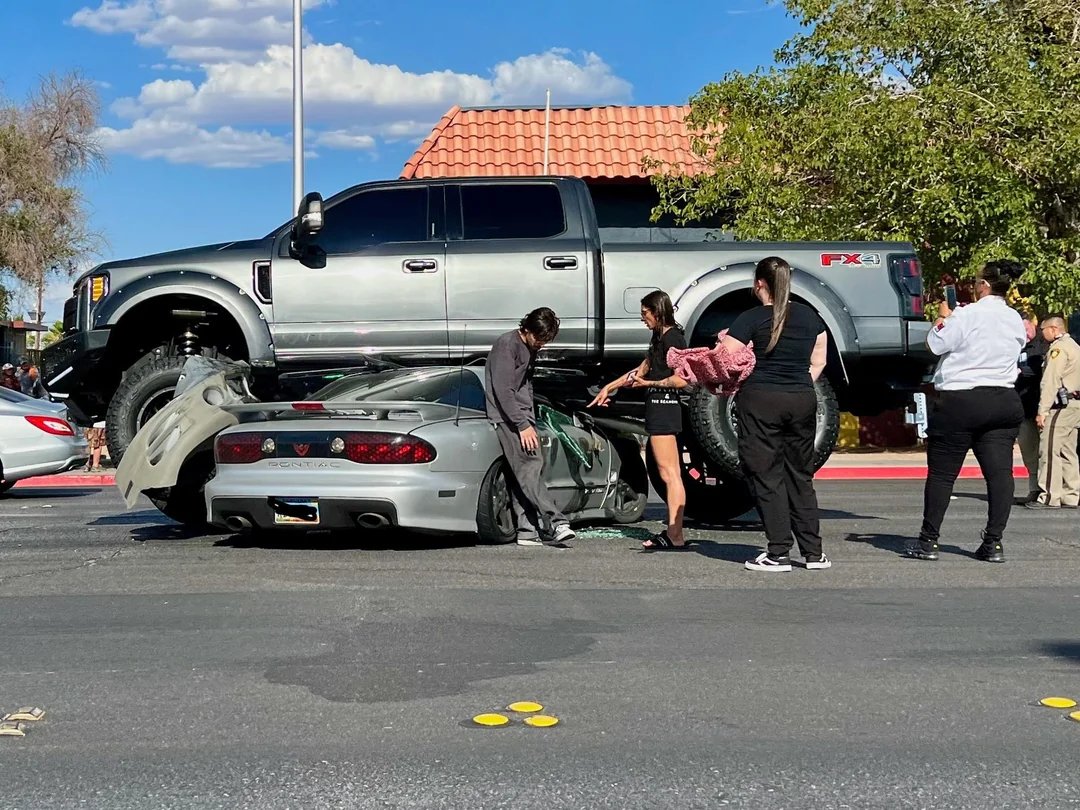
{"x": 776, "y": 446}
{"x": 986, "y": 420}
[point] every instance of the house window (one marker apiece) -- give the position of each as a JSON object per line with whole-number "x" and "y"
{"x": 526, "y": 211}
{"x": 376, "y": 217}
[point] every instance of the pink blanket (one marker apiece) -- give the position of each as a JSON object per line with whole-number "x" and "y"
{"x": 719, "y": 370}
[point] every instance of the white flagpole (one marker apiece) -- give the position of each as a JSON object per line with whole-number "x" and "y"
{"x": 547, "y": 129}
{"x": 298, "y": 105}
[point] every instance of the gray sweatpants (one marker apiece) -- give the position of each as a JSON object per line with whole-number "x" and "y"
{"x": 534, "y": 510}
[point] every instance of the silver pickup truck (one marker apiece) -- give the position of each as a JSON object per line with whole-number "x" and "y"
{"x": 430, "y": 272}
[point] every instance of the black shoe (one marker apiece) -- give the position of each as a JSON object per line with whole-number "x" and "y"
{"x": 922, "y": 550}
{"x": 1039, "y": 505}
{"x": 990, "y": 551}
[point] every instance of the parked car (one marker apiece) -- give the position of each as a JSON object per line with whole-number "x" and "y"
{"x": 400, "y": 447}
{"x": 36, "y": 438}
{"x": 430, "y": 272}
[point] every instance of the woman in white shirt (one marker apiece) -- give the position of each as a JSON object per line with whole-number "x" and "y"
{"x": 976, "y": 408}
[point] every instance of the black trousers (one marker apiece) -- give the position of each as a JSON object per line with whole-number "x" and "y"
{"x": 986, "y": 420}
{"x": 776, "y": 446}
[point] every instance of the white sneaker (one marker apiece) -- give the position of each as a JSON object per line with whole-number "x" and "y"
{"x": 819, "y": 564}
{"x": 529, "y": 541}
{"x": 563, "y": 534}
{"x": 763, "y": 562}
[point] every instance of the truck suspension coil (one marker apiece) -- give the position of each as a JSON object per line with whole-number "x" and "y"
{"x": 188, "y": 343}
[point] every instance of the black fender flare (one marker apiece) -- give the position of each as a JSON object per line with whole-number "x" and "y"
{"x": 235, "y": 301}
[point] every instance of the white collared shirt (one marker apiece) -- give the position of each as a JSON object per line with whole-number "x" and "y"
{"x": 979, "y": 345}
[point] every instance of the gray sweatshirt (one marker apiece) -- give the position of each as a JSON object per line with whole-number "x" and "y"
{"x": 508, "y": 382}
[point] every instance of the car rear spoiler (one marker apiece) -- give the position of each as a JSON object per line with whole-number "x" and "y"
{"x": 390, "y": 410}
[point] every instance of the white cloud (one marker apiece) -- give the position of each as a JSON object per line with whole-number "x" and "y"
{"x": 343, "y": 139}
{"x": 199, "y": 31}
{"x": 181, "y": 142}
{"x": 245, "y": 99}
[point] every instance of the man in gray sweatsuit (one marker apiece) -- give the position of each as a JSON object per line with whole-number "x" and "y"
{"x": 510, "y": 406}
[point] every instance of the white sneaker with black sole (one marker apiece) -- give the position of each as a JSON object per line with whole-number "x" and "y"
{"x": 820, "y": 564}
{"x": 563, "y": 535}
{"x": 763, "y": 562}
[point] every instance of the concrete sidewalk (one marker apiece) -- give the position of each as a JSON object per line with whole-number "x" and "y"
{"x": 844, "y": 466}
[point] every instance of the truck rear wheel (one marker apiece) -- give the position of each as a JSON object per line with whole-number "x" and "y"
{"x": 711, "y": 496}
{"x": 714, "y": 425}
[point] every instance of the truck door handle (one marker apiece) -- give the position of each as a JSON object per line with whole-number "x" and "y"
{"x": 560, "y": 262}
{"x": 419, "y": 265}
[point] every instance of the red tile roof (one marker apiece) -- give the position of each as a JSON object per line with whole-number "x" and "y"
{"x": 588, "y": 142}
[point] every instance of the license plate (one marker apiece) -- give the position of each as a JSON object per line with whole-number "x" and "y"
{"x": 290, "y": 512}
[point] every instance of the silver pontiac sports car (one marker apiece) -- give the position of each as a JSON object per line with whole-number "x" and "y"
{"x": 399, "y": 447}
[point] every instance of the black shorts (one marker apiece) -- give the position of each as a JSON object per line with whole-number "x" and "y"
{"x": 663, "y": 412}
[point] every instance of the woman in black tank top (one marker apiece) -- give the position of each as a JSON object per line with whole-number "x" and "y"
{"x": 663, "y": 411}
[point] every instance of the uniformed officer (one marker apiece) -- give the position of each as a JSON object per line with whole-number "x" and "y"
{"x": 976, "y": 407}
{"x": 1059, "y": 420}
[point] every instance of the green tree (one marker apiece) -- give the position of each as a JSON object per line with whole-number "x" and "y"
{"x": 46, "y": 144}
{"x": 954, "y": 124}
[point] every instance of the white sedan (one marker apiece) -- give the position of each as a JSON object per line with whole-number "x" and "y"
{"x": 36, "y": 438}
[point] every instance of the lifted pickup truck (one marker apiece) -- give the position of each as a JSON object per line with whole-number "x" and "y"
{"x": 430, "y": 272}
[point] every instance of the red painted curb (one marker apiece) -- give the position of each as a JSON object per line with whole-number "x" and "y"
{"x": 66, "y": 481}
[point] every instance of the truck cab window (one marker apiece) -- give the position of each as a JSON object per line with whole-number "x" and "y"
{"x": 375, "y": 217}
{"x": 527, "y": 211}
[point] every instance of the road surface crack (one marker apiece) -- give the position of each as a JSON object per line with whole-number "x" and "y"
{"x": 60, "y": 569}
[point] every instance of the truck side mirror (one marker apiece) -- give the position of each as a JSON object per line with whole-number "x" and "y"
{"x": 309, "y": 221}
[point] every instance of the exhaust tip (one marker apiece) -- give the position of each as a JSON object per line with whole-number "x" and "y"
{"x": 372, "y": 520}
{"x": 238, "y": 524}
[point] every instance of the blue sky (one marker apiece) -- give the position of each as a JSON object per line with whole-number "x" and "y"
{"x": 196, "y": 115}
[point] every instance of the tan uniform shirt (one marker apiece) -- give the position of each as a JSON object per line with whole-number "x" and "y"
{"x": 1061, "y": 367}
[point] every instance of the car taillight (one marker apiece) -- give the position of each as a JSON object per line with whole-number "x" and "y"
{"x": 387, "y": 448}
{"x": 51, "y": 425}
{"x": 906, "y": 272}
{"x": 238, "y": 448}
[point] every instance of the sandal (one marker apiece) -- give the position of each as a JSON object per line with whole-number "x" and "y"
{"x": 661, "y": 542}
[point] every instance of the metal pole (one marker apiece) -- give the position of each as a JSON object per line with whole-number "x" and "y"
{"x": 298, "y": 105}
{"x": 547, "y": 129}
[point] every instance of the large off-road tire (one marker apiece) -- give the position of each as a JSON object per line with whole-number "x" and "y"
{"x": 712, "y": 496}
{"x": 632, "y": 488}
{"x": 713, "y": 423}
{"x": 185, "y": 502}
{"x": 147, "y": 387}
{"x": 494, "y": 518}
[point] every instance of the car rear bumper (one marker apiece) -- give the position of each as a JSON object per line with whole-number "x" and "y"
{"x": 413, "y": 499}
{"x": 52, "y": 462}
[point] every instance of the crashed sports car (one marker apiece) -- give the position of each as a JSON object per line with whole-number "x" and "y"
{"x": 401, "y": 447}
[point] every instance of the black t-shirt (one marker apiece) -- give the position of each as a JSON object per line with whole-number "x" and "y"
{"x": 673, "y": 338}
{"x": 787, "y": 366}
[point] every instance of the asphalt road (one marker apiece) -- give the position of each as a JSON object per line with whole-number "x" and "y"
{"x": 208, "y": 671}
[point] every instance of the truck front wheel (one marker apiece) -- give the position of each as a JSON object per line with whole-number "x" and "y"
{"x": 147, "y": 387}
{"x": 713, "y": 423}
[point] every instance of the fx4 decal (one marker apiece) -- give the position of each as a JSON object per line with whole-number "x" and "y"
{"x": 851, "y": 259}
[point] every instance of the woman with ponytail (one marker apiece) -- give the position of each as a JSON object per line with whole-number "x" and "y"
{"x": 778, "y": 415}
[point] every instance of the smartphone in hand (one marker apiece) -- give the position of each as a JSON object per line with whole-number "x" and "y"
{"x": 950, "y": 295}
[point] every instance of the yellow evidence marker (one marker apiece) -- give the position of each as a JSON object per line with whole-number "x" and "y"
{"x": 541, "y": 721}
{"x": 525, "y": 707}
{"x": 25, "y": 715}
{"x": 1075, "y": 716}
{"x": 11, "y": 730}
{"x": 1058, "y": 702}
{"x": 491, "y": 720}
